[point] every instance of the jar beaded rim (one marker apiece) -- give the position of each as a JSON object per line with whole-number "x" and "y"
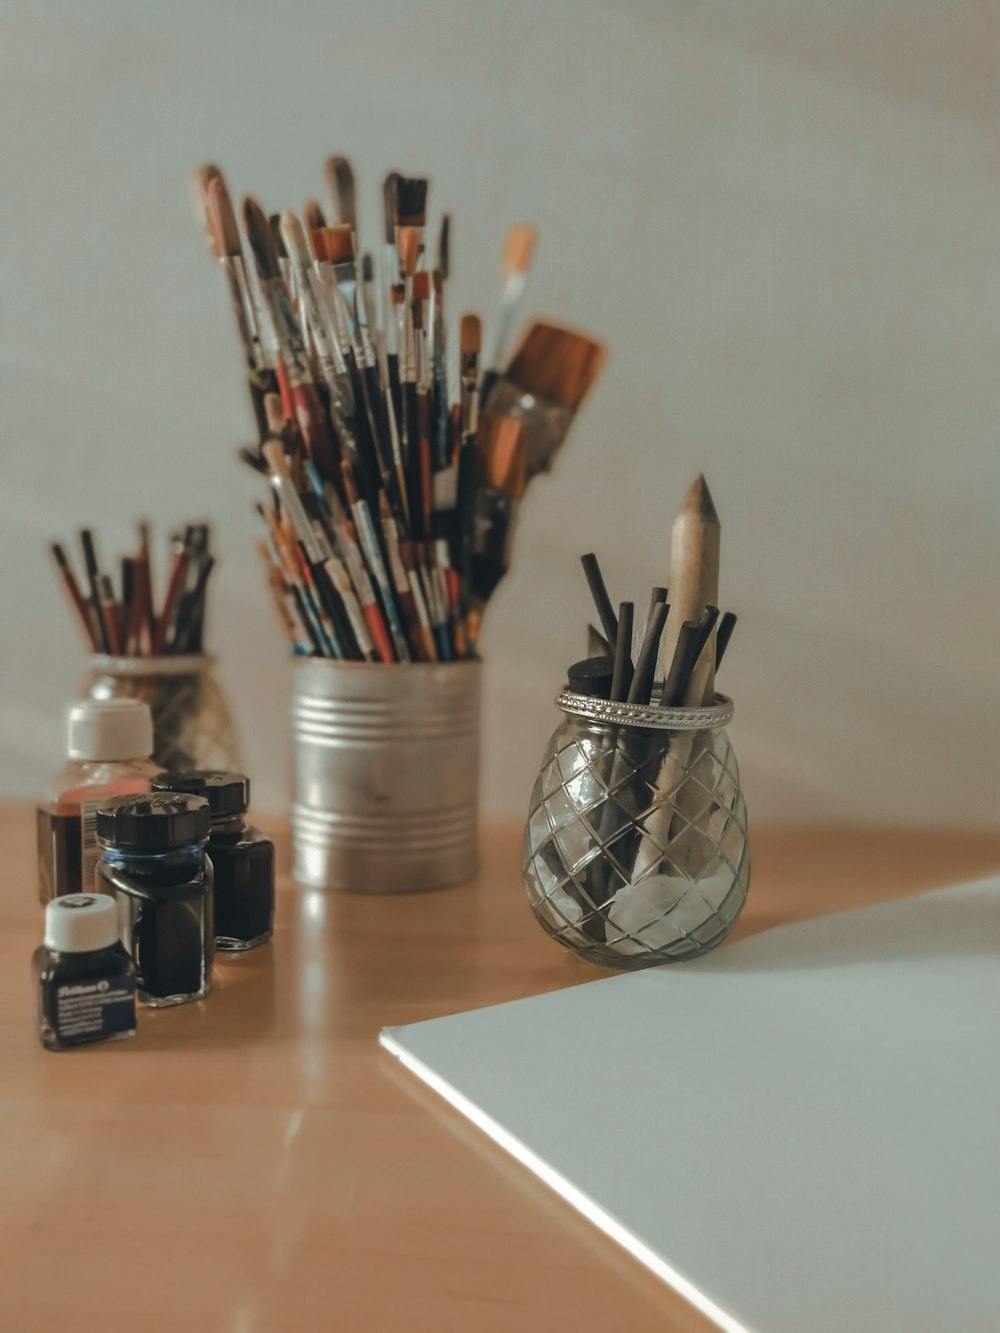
{"x": 650, "y": 717}
{"x": 180, "y": 664}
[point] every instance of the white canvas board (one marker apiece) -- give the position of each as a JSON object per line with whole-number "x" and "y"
{"x": 799, "y": 1132}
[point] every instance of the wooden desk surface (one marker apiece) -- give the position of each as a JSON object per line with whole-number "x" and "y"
{"x": 256, "y": 1163}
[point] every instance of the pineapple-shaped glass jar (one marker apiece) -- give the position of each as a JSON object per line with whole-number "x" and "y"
{"x": 635, "y": 849}
{"x": 192, "y": 725}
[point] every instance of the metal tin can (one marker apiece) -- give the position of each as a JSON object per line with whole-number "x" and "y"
{"x": 386, "y": 774}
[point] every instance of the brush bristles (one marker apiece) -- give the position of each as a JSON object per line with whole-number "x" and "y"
{"x": 502, "y": 459}
{"x": 312, "y": 216}
{"x": 410, "y": 202}
{"x": 518, "y": 249}
{"x": 220, "y": 219}
{"x": 389, "y": 186}
{"x": 274, "y": 222}
{"x": 259, "y": 235}
{"x": 422, "y": 286}
{"x": 408, "y": 245}
{"x": 556, "y": 364}
{"x": 340, "y": 183}
{"x": 444, "y": 247}
{"x": 200, "y": 180}
{"x": 470, "y": 338}
{"x": 340, "y": 244}
{"x": 317, "y": 243}
{"x": 295, "y": 240}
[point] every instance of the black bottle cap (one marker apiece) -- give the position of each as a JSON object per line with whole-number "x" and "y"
{"x": 155, "y": 822}
{"x": 226, "y": 793}
{"x": 592, "y": 676}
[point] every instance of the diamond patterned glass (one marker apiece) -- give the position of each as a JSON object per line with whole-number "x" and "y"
{"x": 192, "y": 726}
{"x": 635, "y": 847}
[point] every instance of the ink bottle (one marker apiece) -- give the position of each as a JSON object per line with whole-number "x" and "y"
{"x": 83, "y": 981}
{"x": 153, "y": 861}
{"x": 110, "y": 741}
{"x": 242, "y": 858}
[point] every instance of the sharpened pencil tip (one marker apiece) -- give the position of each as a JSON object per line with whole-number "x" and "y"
{"x": 698, "y": 500}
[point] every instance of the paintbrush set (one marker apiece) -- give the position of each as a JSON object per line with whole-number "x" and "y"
{"x": 397, "y": 462}
{"x": 636, "y": 847}
{"x": 126, "y": 621}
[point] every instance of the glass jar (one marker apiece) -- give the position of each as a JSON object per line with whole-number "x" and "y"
{"x": 153, "y": 863}
{"x": 192, "y": 725}
{"x": 636, "y": 849}
{"x": 83, "y": 981}
{"x": 109, "y": 742}
{"x": 242, "y": 858}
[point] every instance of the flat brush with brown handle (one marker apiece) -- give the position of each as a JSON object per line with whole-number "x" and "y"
{"x": 550, "y": 374}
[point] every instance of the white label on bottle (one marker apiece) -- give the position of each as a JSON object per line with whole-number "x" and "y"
{"x": 90, "y": 853}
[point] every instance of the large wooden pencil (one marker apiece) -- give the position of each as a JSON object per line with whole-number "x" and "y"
{"x": 694, "y": 581}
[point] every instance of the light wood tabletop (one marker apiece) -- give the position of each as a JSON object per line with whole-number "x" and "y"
{"x": 255, "y": 1162}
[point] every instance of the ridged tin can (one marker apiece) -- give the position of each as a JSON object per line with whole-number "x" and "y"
{"x": 386, "y": 774}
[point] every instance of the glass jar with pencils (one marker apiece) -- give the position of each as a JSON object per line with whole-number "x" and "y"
{"x": 636, "y": 849}
{"x": 192, "y": 725}
{"x": 152, "y": 649}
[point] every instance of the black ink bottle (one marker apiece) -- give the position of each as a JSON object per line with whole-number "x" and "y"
{"x": 242, "y": 858}
{"x": 153, "y": 861}
{"x": 83, "y": 981}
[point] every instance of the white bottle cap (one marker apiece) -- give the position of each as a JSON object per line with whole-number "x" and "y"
{"x": 81, "y": 922}
{"x": 110, "y": 729}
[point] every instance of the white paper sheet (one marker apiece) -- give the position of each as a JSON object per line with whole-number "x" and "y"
{"x": 800, "y": 1132}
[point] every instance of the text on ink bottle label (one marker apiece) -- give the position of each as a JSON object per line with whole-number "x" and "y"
{"x": 90, "y": 1010}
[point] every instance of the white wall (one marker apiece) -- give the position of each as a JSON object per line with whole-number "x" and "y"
{"x": 782, "y": 218}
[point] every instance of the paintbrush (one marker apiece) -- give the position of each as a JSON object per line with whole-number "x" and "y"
{"x": 340, "y": 185}
{"x": 548, "y": 378}
{"x": 390, "y": 279}
{"x": 312, "y": 216}
{"x": 201, "y": 177}
{"x": 515, "y": 261}
{"x": 441, "y": 441}
{"x": 110, "y": 615}
{"x": 93, "y": 575}
{"x": 315, "y": 551}
{"x": 128, "y": 597}
{"x": 299, "y": 393}
{"x": 80, "y": 605}
{"x": 317, "y": 317}
{"x": 501, "y": 482}
{"x": 368, "y": 539}
{"x": 220, "y": 220}
{"x": 171, "y": 598}
{"x": 349, "y": 300}
{"x": 285, "y": 557}
{"x": 284, "y": 604}
{"x": 408, "y": 558}
{"x": 470, "y": 341}
{"x": 400, "y": 581}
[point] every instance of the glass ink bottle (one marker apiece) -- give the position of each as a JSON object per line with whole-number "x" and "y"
{"x": 83, "y": 981}
{"x": 153, "y": 861}
{"x": 242, "y": 858}
{"x": 110, "y": 741}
